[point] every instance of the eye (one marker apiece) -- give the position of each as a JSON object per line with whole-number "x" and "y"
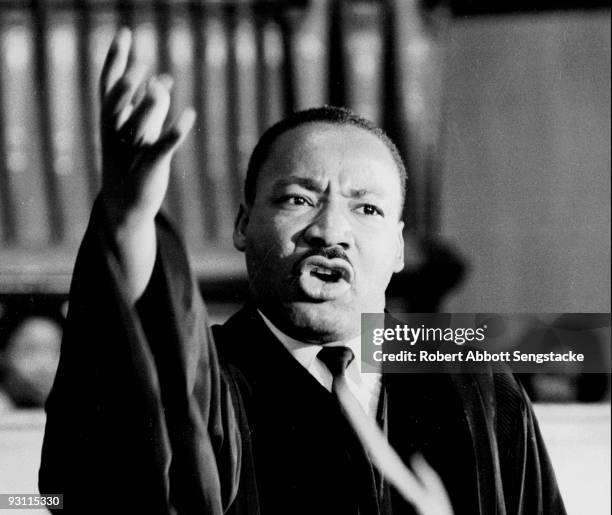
{"x": 370, "y": 210}
{"x": 294, "y": 201}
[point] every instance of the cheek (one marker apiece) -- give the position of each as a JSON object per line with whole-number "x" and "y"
{"x": 378, "y": 257}
{"x": 269, "y": 241}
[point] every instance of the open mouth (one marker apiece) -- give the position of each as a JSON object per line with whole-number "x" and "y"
{"x": 321, "y": 278}
{"x": 326, "y": 274}
{"x": 325, "y": 269}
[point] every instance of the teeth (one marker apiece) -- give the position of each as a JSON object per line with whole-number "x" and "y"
{"x": 325, "y": 274}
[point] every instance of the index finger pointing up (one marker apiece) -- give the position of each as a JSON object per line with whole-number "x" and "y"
{"x": 116, "y": 60}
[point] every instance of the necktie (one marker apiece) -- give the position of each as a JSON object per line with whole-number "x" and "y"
{"x": 337, "y": 359}
{"x": 423, "y": 488}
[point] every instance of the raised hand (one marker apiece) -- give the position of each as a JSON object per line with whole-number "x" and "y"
{"x": 136, "y": 155}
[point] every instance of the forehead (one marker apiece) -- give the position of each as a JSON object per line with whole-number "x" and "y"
{"x": 324, "y": 151}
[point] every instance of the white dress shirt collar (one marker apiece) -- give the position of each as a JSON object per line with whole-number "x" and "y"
{"x": 366, "y": 387}
{"x": 305, "y": 353}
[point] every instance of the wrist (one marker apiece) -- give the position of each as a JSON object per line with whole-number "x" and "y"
{"x": 121, "y": 220}
{"x": 132, "y": 240}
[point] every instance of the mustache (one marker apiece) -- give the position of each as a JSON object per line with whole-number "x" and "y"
{"x": 327, "y": 252}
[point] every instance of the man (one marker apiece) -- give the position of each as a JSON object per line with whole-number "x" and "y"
{"x": 154, "y": 412}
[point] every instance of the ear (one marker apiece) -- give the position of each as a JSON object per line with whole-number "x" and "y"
{"x": 399, "y": 254}
{"x": 240, "y": 225}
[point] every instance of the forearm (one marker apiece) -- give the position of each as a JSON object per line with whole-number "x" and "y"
{"x": 133, "y": 240}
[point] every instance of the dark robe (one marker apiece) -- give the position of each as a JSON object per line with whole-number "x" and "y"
{"x": 154, "y": 412}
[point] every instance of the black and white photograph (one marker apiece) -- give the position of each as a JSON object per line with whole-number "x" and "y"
{"x": 305, "y": 257}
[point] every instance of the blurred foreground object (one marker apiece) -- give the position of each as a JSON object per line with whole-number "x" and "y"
{"x": 30, "y": 360}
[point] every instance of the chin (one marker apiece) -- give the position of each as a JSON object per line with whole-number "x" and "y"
{"x": 322, "y": 321}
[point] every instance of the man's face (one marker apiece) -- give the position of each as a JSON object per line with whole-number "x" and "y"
{"x": 323, "y": 235}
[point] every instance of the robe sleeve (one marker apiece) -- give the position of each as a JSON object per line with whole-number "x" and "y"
{"x": 514, "y": 472}
{"x": 139, "y": 418}
{"x": 528, "y": 477}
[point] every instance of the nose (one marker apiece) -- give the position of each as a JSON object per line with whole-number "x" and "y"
{"x": 330, "y": 227}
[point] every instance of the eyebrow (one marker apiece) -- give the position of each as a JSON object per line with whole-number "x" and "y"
{"x": 362, "y": 192}
{"x": 304, "y": 182}
{"x": 316, "y": 186}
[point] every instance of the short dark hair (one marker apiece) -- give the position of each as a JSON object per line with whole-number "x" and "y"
{"x": 326, "y": 114}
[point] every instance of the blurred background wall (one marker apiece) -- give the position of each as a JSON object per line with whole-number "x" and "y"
{"x": 526, "y": 187}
